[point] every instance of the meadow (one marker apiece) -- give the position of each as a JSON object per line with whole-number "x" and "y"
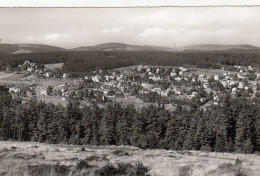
{"x": 29, "y": 158}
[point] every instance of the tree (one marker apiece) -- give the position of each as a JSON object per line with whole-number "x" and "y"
{"x": 49, "y": 90}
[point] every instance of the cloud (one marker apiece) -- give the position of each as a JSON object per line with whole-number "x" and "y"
{"x": 185, "y": 26}
{"x": 53, "y": 36}
{"x": 158, "y": 32}
{"x": 114, "y": 30}
{"x": 48, "y": 37}
{"x": 152, "y": 32}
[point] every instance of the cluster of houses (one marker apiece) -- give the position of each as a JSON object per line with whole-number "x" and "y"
{"x": 167, "y": 82}
{"x": 172, "y": 83}
{"x": 43, "y": 72}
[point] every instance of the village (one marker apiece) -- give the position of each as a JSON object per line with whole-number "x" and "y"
{"x": 139, "y": 85}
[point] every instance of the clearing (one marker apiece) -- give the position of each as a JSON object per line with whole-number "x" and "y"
{"x": 53, "y": 66}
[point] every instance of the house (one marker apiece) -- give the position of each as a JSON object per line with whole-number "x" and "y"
{"x": 205, "y": 85}
{"x": 193, "y": 94}
{"x": 250, "y": 68}
{"x": 30, "y": 69}
{"x": 14, "y": 89}
{"x": 106, "y": 77}
{"x": 177, "y": 90}
{"x": 164, "y": 93}
{"x": 173, "y": 74}
{"x": 96, "y": 78}
{"x": 155, "y": 78}
{"x": 216, "y": 77}
{"x": 240, "y": 85}
{"x": 224, "y": 83}
{"x": 65, "y": 75}
{"x": 184, "y": 69}
{"x": 148, "y": 69}
{"x": 140, "y": 67}
{"x": 156, "y": 89}
{"x": 234, "y": 89}
{"x": 178, "y": 79}
{"x": 240, "y": 76}
{"x": 48, "y": 74}
{"x": 61, "y": 87}
{"x": 43, "y": 92}
{"x": 216, "y": 98}
{"x": 147, "y": 86}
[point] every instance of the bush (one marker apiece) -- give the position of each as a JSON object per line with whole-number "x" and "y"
{"x": 123, "y": 169}
{"x": 140, "y": 169}
{"x": 235, "y": 169}
{"x": 45, "y": 169}
{"x": 82, "y": 168}
{"x": 185, "y": 170}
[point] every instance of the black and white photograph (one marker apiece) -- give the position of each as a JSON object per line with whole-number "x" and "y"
{"x": 158, "y": 91}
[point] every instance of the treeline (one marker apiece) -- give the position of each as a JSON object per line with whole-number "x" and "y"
{"x": 83, "y": 61}
{"x": 230, "y": 127}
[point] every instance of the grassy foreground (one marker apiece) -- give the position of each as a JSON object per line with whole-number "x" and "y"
{"x": 28, "y": 158}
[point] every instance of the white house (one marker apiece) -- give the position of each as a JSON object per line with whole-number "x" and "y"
{"x": 14, "y": 89}
{"x": 43, "y": 92}
{"x": 216, "y": 77}
{"x": 48, "y": 74}
{"x": 173, "y": 74}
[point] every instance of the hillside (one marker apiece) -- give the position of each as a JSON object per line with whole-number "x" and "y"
{"x": 27, "y": 48}
{"x": 121, "y": 47}
{"x": 39, "y": 48}
{"x": 83, "y": 61}
{"x": 35, "y": 159}
{"x": 211, "y": 47}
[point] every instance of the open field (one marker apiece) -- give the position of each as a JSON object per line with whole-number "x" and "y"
{"x": 38, "y": 81}
{"x": 9, "y": 76}
{"x": 210, "y": 72}
{"x": 131, "y": 100}
{"x": 27, "y": 158}
{"x": 53, "y": 66}
{"x": 52, "y": 99}
{"x": 138, "y": 103}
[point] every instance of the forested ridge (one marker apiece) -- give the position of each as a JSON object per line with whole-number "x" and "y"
{"x": 232, "y": 126}
{"x": 83, "y": 61}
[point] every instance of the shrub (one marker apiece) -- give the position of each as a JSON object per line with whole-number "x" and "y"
{"x": 123, "y": 169}
{"x": 185, "y": 170}
{"x": 140, "y": 169}
{"x": 120, "y": 153}
{"x": 45, "y": 169}
{"x": 81, "y": 167}
{"x": 235, "y": 169}
{"x": 107, "y": 170}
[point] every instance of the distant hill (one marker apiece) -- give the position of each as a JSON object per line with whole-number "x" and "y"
{"x": 6, "y": 49}
{"x": 27, "y": 48}
{"x": 211, "y": 47}
{"x": 122, "y": 47}
{"x": 2, "y": 53}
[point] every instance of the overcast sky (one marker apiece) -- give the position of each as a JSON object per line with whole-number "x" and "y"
{"x": 173, "y": 27}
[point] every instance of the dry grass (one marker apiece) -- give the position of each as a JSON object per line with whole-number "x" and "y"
{"x": 27, "y": 158}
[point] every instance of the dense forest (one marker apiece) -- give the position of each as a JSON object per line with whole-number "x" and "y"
{"x": 83, "y": 61}
{"x": 233, "y": 126}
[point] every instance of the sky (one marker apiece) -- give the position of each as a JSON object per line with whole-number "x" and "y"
{"x": 165, "y": 26}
